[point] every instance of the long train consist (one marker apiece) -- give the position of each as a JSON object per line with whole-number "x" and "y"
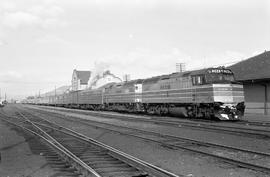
{"x": 206, "y": 93}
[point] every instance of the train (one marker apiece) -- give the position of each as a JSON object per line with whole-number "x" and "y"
{"x": 3, "y": 103}
{"x": 210, "y": 93}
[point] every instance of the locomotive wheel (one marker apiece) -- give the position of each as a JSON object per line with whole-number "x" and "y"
{"x": 158, "y": 110}
{"x": 190, "y": 112}
{"x": 207, "y": 114}
{"x": 164, "y": 110}
{"x": 151, "y": 110}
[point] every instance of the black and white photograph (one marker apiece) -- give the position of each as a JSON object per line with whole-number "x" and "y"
{"x": 134, "y": 88}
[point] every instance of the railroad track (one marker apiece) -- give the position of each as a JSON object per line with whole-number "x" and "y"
{"x": 156, "y": 117}
{"x": 260, "y": 124}
{"x": 259, "y": 161}
{"x": 77, "y": 155}
{"x": 235, "y": 130}
{"x": 147, "y": 116}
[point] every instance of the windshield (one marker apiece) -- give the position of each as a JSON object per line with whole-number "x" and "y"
{"x": 211, "y": 78}
{"x": 219, "y": 75}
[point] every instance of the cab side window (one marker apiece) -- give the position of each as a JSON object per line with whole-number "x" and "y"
{"x": 198, "y": 80}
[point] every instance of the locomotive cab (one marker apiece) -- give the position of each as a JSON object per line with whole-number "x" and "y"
{"x": 219, "y": 75}
{"x": 214, "y": 76}
{"x": 217, "y": 88}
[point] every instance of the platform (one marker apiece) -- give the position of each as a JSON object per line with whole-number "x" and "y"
{"x": 252, "y": 117}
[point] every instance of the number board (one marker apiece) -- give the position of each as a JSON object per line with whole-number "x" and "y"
{"x": 219, "y": 71}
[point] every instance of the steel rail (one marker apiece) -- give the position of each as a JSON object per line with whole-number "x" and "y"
{"x": 166, "y": 135}
{"x": 117, "y": 153}
{"x": 80, "y": 165}
{"x": 229, "y": 160}
{"x": 216, "y": 128}
{"x": 255, "y": 123}
{"x": 156, "y": 171}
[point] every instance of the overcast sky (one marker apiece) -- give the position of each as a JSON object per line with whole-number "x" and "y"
{"x": 42, "y": 41}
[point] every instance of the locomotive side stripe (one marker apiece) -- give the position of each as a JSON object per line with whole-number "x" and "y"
{"x": 178, "y": 95}
{"x": 183, "y": 90}
{"x": 176, "y": 91}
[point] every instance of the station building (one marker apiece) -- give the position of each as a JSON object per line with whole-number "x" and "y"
{"x": 254, "y": 73}
{"x": 80, "y": 80}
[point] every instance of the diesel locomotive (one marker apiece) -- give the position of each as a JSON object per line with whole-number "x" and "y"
{"x": 210, "y": 93}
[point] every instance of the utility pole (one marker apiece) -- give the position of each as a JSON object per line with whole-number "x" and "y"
{"x": 126, "y": 77}
{"x": 55, "y": 95}
{"x": 180, "y": 67}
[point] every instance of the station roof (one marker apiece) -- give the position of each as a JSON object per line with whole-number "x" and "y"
{"x": 254, "y": 68}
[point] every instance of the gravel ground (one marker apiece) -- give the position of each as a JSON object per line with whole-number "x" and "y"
{"x": 176, "y": 161}
{"x": 17, "y": 160}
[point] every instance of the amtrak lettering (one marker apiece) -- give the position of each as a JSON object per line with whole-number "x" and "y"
{"x": 218, "y": 71}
